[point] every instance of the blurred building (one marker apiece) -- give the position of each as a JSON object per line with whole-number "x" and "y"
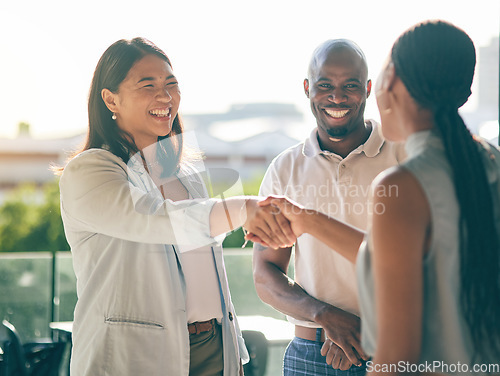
{"x": 245, "y": 138}
{"x": 29, "y": 160}
{"x": 248, "y": 136}
{"x": 484, "y": 119}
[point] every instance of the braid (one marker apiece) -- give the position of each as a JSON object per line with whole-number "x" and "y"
{"x": 436, "y": 61}
{"x": 479, "y": 261}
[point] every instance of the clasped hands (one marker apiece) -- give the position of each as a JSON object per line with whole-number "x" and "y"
{"x": 274, "y": 222}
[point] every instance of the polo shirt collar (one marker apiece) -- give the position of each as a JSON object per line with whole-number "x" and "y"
{"x": 311, "y": 145}
{"x": 374, "y": 143}
{"x": 371, "y": 147}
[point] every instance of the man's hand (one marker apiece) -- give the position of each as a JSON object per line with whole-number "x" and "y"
{"x": 335, "y": 356}
{"x": 343, "y": 329}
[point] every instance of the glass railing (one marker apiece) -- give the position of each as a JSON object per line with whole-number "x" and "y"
{"x": 39, "y": 288}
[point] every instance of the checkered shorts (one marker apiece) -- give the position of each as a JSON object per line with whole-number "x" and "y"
{"x": 303, "y": 357}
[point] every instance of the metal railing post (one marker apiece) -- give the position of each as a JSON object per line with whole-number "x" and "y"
{"x": 53, "y": 288}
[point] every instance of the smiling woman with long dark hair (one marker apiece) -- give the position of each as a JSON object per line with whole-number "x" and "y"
{"x": 153, "y": 297}
{"x": 110, "y": 73}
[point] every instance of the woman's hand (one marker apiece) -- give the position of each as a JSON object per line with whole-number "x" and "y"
{"x": 288, "y": 214}
{"x": 267, "y": 225}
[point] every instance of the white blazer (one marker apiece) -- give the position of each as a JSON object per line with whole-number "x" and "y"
{"x": 130, "y": 318}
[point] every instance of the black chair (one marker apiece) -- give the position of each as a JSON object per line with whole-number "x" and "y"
{"x": 13, "y": 361}
{"x": 30, "y": 359}
{"x": 257, "y": 347}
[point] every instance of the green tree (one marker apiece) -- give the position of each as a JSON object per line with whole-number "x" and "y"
{"x": 236, "y": 239}
{"x": 30, "y": 220}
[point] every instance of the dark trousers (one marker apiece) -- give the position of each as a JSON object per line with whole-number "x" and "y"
{"x": 206, "y": 353}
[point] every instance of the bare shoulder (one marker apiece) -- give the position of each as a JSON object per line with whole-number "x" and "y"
{"x": 396, "y": 177}
{"x": 401, "y": 193}
{"x": 401, "y": 210}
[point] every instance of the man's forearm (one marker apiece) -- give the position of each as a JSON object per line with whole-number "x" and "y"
{"x": 275, "y": 288}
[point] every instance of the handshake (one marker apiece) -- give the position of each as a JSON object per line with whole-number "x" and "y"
{"x": 274, "y": 222}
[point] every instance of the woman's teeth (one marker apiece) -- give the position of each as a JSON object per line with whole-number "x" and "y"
{"x": 336, "y": 113}
{"x": 160, "y": 113}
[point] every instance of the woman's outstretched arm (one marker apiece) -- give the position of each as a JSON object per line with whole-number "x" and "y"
{"x": 339, "y": 236}
{"x": 97, "y": 197}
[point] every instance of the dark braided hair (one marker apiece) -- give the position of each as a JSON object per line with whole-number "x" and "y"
{"x": 435, "y": 60}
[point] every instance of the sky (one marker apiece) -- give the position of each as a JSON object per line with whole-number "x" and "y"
{"x": 223, "y": 52}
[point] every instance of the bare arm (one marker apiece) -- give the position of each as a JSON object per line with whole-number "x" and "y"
{"x": 399, "y": 235}
{"x": 277, "y": 289}
{"x": 274, "y": 287}
{"x": 339, "y": 236}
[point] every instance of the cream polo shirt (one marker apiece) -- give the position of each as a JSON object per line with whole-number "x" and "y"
{"x": 339, "y": 187}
